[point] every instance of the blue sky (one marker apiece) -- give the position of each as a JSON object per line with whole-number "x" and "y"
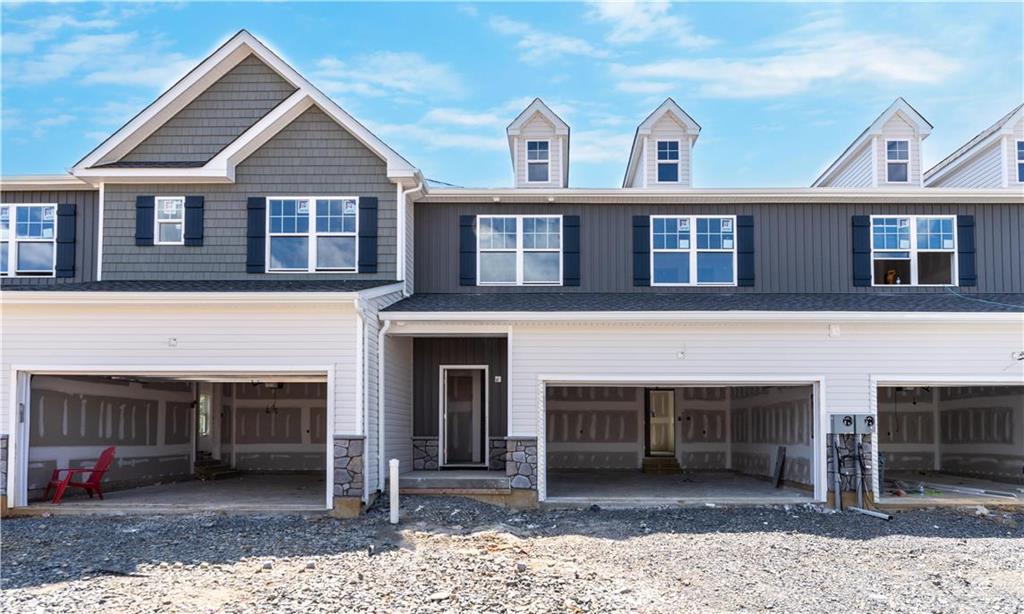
{"x": 779, "y": 89}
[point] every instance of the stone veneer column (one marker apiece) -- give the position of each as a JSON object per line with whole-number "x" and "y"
{"x": 424, "y": 453}
{"x": 521, "y": 463}
{"x": 348, "y": 476}
{"x": 497, "y": 454}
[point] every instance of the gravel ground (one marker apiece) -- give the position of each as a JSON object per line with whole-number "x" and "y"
{"x": 458, "y": 555}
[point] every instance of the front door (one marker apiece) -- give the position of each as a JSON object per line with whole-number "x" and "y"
{"x": 463, "y": 417}
{"x": 661, "y": 420}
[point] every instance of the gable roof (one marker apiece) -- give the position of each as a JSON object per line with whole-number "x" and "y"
{"x": 102, "y": 162}
{"x": 561, "y": 129}
{"x": 981, "y": 140}
{"x": 669, "y": 107}
{"x": 901, "y": 106}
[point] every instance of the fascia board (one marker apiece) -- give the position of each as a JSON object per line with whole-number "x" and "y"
{"x": 703, "y": 316}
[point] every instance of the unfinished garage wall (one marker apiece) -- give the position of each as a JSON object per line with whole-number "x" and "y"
{"x": 908, "y": 428}
{"x": 702, "y": 417}
{"x": 591, "y": 427}
{"x": 982, "y": 432}
{"x": 74, "y": 418}
{"x": 766, "y": 417}
{"x": 280, "y": 427}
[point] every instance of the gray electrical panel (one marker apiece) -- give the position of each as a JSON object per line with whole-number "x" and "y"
{"x": 849, "y": 424}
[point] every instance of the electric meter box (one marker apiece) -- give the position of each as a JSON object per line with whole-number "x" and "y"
{"x": 849, "y": 424}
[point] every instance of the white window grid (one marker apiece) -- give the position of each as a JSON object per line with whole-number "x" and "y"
{"x": 519, "y": 248}
{"x": 669, "y": 159}
{"x": 915, "y": 248}
{"x": 694, "y": 250}
{"x": 902, "y": 156}
{"x": 1020, "y": 161}
{"x": 537, "y": 159}
{"x": 10, "y": 239}
{"x": 159, "y": 204}
{"x": 311, "y": 234}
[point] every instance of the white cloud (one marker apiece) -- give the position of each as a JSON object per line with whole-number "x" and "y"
{"x": 634, "y": 22}
{"x": 537, "y": 45}
{"x": 44, "y": 29}
{"x": 461, "y": 117}
{"x": 388, "y": 72}
{"x": 56, "y": 120}
{"x": 600, "y": 146}
{"x": 823, "y": 51}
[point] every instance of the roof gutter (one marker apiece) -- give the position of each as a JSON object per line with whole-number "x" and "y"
{"x": 701, "y": 316}
{"x": 57, "y": 297}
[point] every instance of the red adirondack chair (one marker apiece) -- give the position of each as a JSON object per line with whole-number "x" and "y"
{"x": 92, "y": 485}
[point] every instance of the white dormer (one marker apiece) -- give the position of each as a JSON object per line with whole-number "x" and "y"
{"x": 992, "y": 159}
{"x": 539, "y": 142}
{"x": 886, "y": 155}
{"x": 662, "y": 152}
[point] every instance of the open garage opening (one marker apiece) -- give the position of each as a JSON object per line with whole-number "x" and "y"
{"x": 951, "y": 444}
{"x": 726, "y": 444}
{"x": 202, "y": 443}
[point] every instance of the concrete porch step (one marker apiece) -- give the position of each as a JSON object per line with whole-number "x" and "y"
{"x": 661, "y": 464}
{"x": 451, "y": 481}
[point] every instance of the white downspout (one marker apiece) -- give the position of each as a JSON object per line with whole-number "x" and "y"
{"x": 99, "y": 234}
{"x": 381, "y": 387}
{"x": 361, "y": 411}
{"x": 403, "y": 195}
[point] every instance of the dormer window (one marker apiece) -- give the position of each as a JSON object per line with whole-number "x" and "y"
{"x": 1020, "y": 161}
{"x": 538, "y": 161}
{"x": 668, "y": 161}
{"x": 897, "y": 161}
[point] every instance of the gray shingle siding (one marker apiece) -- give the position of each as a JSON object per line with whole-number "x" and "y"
{"x": 86, "y": 228}
{"x": 799, "y": 248}
{"x": 216, "y": 117}
{"x": 313, "y": 156}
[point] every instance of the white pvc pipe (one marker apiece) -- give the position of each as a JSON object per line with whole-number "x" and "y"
{"x": 393, "y": 489}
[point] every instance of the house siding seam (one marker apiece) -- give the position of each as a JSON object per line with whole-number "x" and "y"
{"x": 312, "y": 156}
{"x": 799, "y": 248}
{"x": 216, "y": 117}
{"x": 86, "y": 229}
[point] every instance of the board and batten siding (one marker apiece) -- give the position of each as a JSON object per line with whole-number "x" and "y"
{"x": 798, "y": 247}
{"x": 236, "y": 336}
{"x": 983, "y": 170}
{"x": 86, "y": 231}
{"x": 743, "y": 351}
{"x": 216, "y": 117}
{"x": 312, "y": 156}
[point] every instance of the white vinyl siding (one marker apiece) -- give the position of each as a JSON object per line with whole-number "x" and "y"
{"x": 398, "y": 399}
{"x": 538, "y": 128}
{"x": 982, "y": 171}
{"x": 667, "y": 129}
{"x": 898, "y": 128}
{"x": 371, "y": 388}
{"x": 856, "y": 172}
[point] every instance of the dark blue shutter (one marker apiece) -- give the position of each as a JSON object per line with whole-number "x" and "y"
{"x": 745, "y": 250}
{"x": 641, "y": 250}
{"x": 570, "y": 250}
{"x": 861, "y": 250}
{"x": 193, "y": 220}
{"x": 367, "y": 234}
{"x": 144, "y": 220}
{"x": 966, "y": 266}
{"x": 467, "y": 250}
{"x": 65, "y": 240}
{"x": 256, "y": 235}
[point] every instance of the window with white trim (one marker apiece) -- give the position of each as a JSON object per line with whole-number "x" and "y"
{"x": 693, "y": 250}
{"x": 668, "y": 161}
{"x": 28, "y": 240}
{"x": 913, "y": 250}
{"x": 169, "y": 220}
{"x": 309, "y": 234}
{"x": 1020, "y": 161}
{"x": 519, "y": 250}
{"x": 538, "y": 161}
{"x": 897, "y": 161}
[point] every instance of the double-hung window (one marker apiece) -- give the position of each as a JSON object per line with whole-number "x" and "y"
{"x": 307, "y": 234}
{"x": 897, "y": 161}
{"x": 668, "y": 161}
{"x": 694, "y": 250}
{"x": 538, "y": 161}
{"x": 519, "y": 250}
{"x": 169, "y": 220}
{"x": 28, "y": 235}
{"x": 1020, "y": 161}
{"x": 917, "y": 250}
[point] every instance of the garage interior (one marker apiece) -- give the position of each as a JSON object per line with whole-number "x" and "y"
{"x": 691, "y": 444}
{"x": 181, "y": 443}
{"x": 951, "y": 444}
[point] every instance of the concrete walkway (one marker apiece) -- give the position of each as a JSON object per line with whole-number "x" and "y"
{"x": 245, "y": 493}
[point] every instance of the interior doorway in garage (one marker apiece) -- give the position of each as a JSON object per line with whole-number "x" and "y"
{"x": 181, "y": 443}
{"x": 629, "y": 444}
{"x": 951, "y": 444}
